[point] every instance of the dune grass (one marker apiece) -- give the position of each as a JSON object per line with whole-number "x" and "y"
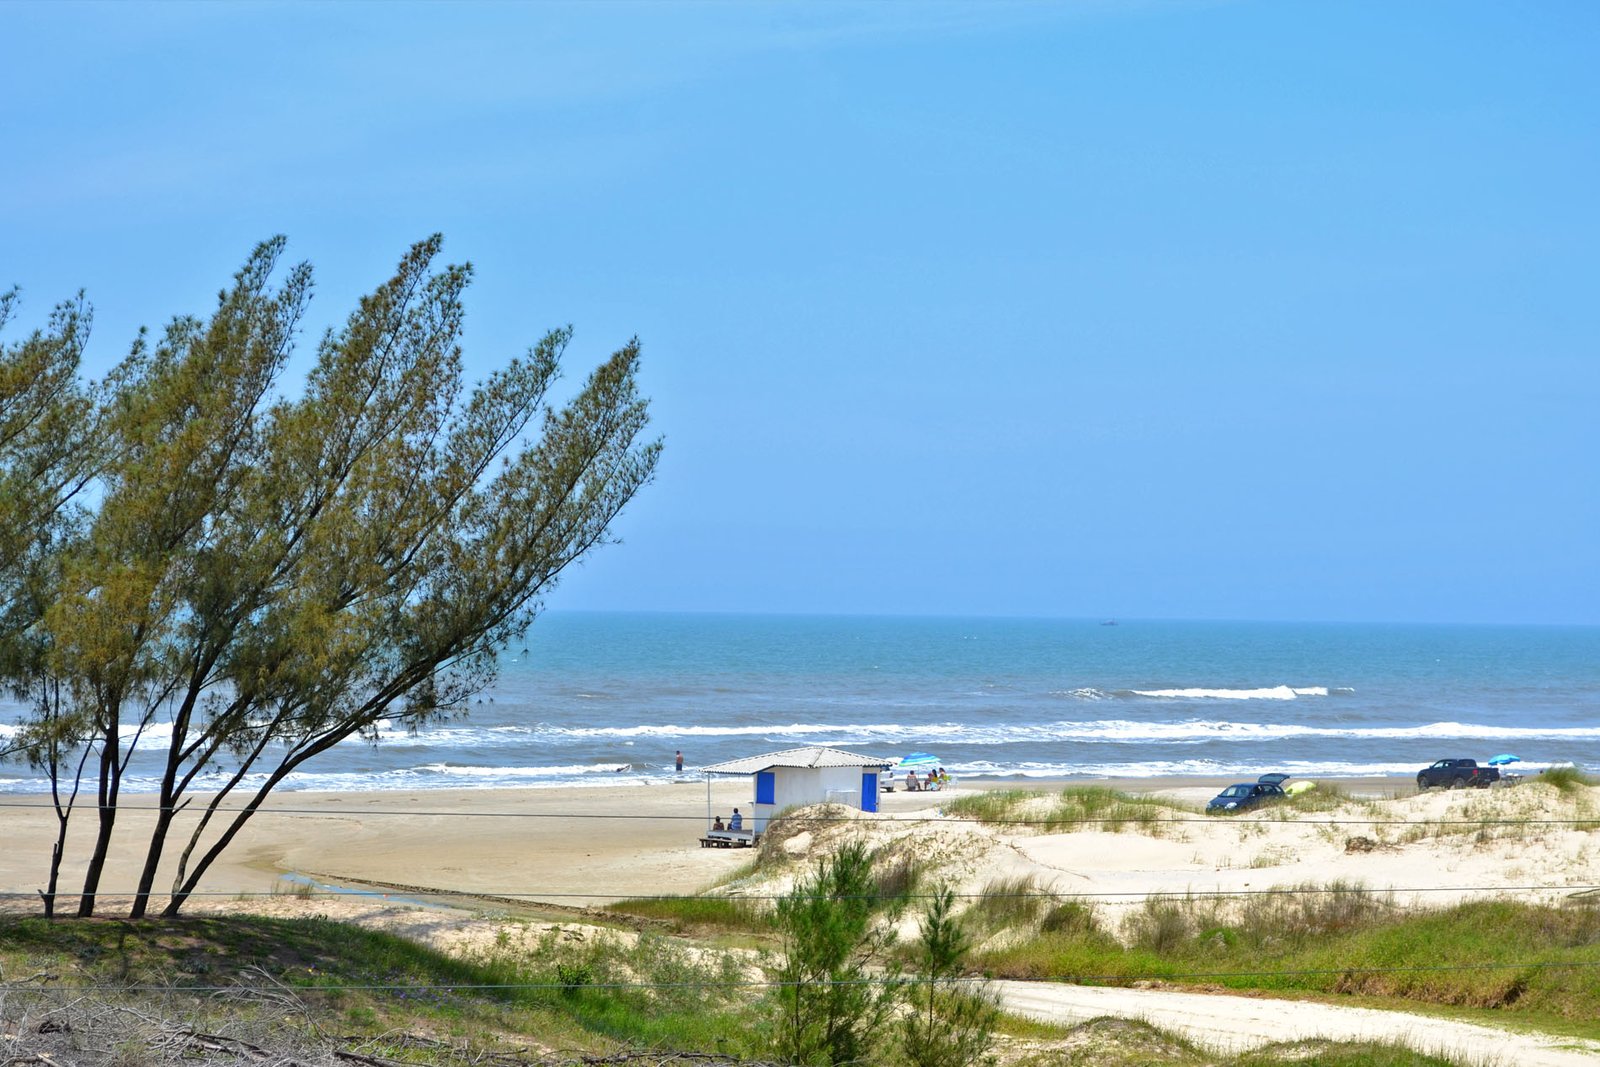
{"x": 1325, "y": 797}
{"x": 1008, "y": 902}
{"x": 1343, "y": 1054}
{"x": 332, "y": 986}
{"x": 1515, "y": 814}
{"x": 1113, "y": 1042}
{"x": 580, "y": 994}
{"x": 1538, "y": 961}
{"x": 898, "y": 872}
{"x": 1566, "y": 779}
{"x": 698, "y": 914}
{"x": 1074, "y": 808}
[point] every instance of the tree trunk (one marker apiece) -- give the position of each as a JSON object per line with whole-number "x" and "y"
{"x": 152, "y": 859}
{"x": 279, "y": 773}
{"x": 110, "y": 779}
{"x": 182, "y": 893}
{"x": 171, "y": 789}
{"x": 63, "y": 814}
{"x": 282, "y": 771}
{"x": 166, "y": 810}
{"x": 53, "y": 763}
{"x": 49, "y": 892}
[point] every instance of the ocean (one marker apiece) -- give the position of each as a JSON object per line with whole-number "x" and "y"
{"x": 607, "y": 698}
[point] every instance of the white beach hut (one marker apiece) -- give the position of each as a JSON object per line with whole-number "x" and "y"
{"x": 796, "y": 776}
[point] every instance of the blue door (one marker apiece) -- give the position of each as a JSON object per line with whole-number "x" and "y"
{"x": 869, "y": 791}
{"x": 766, "y": 787}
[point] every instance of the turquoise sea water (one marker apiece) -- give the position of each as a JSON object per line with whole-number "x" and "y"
{"x": 605, "y": 698}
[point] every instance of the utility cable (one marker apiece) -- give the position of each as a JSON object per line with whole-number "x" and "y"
{"x": 1073, "y": 979}
{"x": 1061, "y": 896}
{"x": 1066, "y": 825}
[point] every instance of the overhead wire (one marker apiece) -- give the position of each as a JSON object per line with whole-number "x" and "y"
{"x": 1210, "y": 820}
{"x": 873, "y": 980}
{"x": 359, "y": 890}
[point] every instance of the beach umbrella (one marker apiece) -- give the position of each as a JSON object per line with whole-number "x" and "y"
{"x": 1503, "y": 758}
{"x": 917, "y": 759}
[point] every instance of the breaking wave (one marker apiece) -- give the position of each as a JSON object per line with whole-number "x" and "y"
{"x": 1277, "y": 692}
{"x": 1090, "y": 731}
{"x": 1271, "y": 692}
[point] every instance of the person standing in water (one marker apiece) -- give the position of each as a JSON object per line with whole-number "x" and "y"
{"x": 680, "y": 761}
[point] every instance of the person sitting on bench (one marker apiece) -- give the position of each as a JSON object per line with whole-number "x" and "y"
{"x": 716, "y": 823}
{"x": 736, "y": 821}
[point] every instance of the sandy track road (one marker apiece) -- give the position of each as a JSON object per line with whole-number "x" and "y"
{"x": 1235, "y": 1023}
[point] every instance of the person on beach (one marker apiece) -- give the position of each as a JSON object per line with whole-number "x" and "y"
{"x": 736, "y": 821}
{"x": 911, "y": 782}
{"x": 679, "y": 767}
{"x": 716, "y": 823}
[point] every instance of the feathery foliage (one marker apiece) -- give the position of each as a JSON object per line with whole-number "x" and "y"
{"x": 950, "y": 1024}
{"x": 260, "y": 578}
{"x": 830, "y": 1006}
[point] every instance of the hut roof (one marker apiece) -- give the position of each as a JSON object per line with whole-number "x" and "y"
{"x": 812, "y": 756}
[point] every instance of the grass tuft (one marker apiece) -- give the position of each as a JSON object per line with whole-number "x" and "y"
{"x": 896, "y": 874}
{"x": 1009, "y": 902}
{"x": 1567, "y": 779}
{"x": 1075, "y": 808}
{"x": 992, "y": 805}
{"x": 1533, "y": 960}
{"x": 697, "y": 913}
{"x": 575, "y": 986}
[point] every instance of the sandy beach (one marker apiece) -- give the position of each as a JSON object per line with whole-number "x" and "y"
{"x": 583, "y": 846}
{"x": 576, "y": 847}
{"x": 565, "y": 845}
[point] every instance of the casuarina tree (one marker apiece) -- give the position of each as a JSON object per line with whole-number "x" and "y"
{"x": 259, "y": 574}
{"x": 834, "y": 987}
{"x": 952, "y": 1017}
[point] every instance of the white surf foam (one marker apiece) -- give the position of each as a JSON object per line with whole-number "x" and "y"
{"x": 1276, "y": 692}
{"x": 1088, "y": 730}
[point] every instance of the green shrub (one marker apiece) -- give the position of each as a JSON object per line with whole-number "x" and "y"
{"x": 1069, "y": 917}
{"x": 1164, "y": 926}
{"x": 697, "y": 913}
{"x": 896, "y": 874}
{"x": 1009, "y": 902}
{"x": 829, "y": 1003}
{"x": 573, "y": 976}
{"x": 950, "y": 1022}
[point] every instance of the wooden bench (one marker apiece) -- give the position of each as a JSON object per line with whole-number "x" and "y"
{"x": 729, "y": 839}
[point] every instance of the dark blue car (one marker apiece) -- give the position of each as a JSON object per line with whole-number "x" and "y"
{"x": 1249, "y": 794}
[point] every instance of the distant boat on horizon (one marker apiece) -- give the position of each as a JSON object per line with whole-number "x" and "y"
{"x": 1109, "y": 622}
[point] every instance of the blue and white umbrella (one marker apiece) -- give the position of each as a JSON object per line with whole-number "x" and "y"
{"x": 1503, "y": 759}
{"x": 917, "y": 759}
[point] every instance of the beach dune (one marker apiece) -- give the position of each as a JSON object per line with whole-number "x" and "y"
{"x": 582, "y": 846}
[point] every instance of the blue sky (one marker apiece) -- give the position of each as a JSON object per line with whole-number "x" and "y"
{"x": 1187, "y": 310}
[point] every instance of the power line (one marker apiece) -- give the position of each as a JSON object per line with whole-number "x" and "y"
{"x": 1072, "y": 979}
{"x": 1063, "y": 895}
{"x": 1066, "y": 824}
